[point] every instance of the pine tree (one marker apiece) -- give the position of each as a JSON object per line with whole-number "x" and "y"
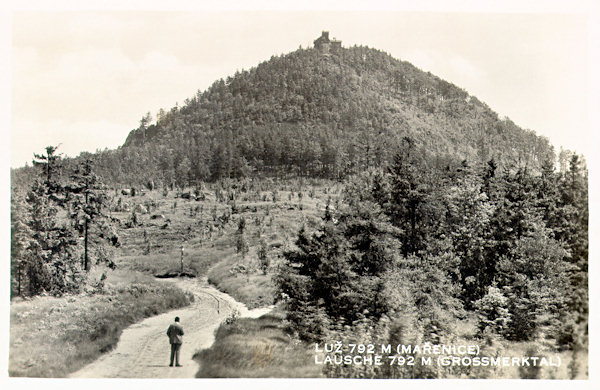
{"x": 515, "y": 214}
{"x": 534, "y": 278}
{"x": 548, "y": 199}
{"x": 51, "y": 167}
{"x": 467, "y": 224}
{"x": 263, "y": 257}
{"x": 335, "y": 275}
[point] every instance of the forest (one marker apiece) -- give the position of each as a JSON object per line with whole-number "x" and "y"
{"x": 314, "y": 115}
{"x": 409, "y": 253}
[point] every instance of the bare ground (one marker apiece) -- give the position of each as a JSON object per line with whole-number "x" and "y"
{"x": 143, "y": 349}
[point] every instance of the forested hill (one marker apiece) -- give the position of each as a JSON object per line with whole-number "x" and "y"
{"x": 310, "y": 113}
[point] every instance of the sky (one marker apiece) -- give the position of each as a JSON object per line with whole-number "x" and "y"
{"x": 83, "y": 79}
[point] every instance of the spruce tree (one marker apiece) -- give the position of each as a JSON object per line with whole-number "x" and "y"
{"x": 52, "y": 252}
{"x": 575, "y": 219}
{"x": 87, "y": 201}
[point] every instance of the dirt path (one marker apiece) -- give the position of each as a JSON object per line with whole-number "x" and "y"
{"x": 143, "y": 349}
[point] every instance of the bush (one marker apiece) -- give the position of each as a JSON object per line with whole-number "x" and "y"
{"x": 263, "y": 257}
{"x": 530, "y": 372}
{"x": 233, "y": 317}
{"x": 492, "y": 311}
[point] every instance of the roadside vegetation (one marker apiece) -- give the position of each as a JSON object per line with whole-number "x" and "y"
{"x": 54, "y": 336}
{"x": 257, "y": 348}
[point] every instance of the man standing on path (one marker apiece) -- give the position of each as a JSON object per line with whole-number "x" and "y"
{"x": 175, "y": 332}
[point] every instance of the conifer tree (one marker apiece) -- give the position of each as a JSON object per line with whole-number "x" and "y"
{"x": 20, "y": 236}
{"x": 408, "y": 195}
{"x": 263, "y": 256}
{"x": 240, "y": 243}
{"x": 87, "y": 201}
{"x": 52, "y": 251}
{"x": 467, "y": 224}
{"x": 573, "y": 190}
{"x": 336, "y": 274}
{"x": 51, "y": 169}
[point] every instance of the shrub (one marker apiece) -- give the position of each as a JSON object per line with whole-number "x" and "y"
{"x": 492, "y": 311}
{"x": 263, "y": 257}
{"x": 232, "y": 317}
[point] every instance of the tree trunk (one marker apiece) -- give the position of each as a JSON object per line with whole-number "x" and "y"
{"x": 85, "y": 247}
{"x": 19, "y": 271}
{"x": 85, "y": 234}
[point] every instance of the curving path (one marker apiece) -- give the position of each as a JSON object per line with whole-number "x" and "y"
{"x": 143, "y": 349}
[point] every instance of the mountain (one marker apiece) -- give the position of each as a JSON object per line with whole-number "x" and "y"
{"x": 325, "y": 111}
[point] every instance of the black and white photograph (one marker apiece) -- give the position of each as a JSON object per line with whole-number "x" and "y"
{"x": 326, "y": 191}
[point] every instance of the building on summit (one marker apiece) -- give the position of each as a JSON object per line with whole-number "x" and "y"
{"x": 326, "y": 45}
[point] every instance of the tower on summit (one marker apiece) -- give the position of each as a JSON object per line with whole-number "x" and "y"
{"x": 326, "y": 45}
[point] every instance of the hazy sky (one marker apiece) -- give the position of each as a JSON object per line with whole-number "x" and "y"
{"x": 84, "y": 79}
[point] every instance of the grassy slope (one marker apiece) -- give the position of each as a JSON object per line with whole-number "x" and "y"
{"x": 84, "y": 326}
{"x": 257, "y": 348}
{"x": 262, "y": 348}
{"x": 247, "y": 347}
{"x": 277, "y": 223}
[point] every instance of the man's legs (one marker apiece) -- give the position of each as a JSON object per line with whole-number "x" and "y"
{"x": 177, "y": 349}
{"x": 173, "y": 349}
